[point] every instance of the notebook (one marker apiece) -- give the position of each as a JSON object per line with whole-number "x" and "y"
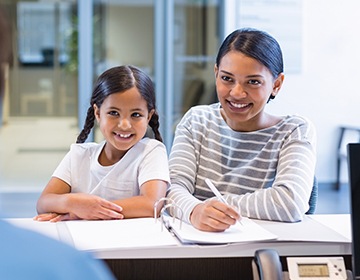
{"x": 353, "y": 153}
{"x": 246, "y": 231}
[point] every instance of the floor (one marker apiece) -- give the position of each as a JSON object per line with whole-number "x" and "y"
{"x": 31, "y": 149}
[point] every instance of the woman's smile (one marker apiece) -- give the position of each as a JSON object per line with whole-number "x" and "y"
{"x": 237, "y": 105}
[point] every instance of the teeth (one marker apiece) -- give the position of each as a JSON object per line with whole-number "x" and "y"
{"x": 237, "y": 105}
{"x": 124, "y": 135}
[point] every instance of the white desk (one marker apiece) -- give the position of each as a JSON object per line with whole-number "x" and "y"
{"x": 316, "y": 235}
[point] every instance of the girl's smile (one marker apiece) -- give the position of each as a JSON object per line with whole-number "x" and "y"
{"x": 123, "y": 137}
{"x": 123, "y": 120}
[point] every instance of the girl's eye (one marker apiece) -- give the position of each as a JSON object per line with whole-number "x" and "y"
{"x": 113, "y": 113}
{"x": 136, "y": 115}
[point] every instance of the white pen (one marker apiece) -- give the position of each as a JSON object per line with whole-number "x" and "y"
{"x": 217, "y": 193}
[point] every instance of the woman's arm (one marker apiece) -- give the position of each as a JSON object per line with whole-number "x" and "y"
{"x": 288, "y": 198}
{"x": 184, "y": 169}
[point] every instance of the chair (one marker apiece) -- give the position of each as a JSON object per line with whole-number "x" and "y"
{"x": 194, "y": 92}
{"x": 313, "y": 198}
{"x": 45, "y": 95}
{"x": 66, "y": 99}
{"x": 347, "y": 134}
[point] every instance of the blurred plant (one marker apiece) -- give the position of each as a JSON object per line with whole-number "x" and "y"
{"x": 73, "y": 43}
{"x": 73, "y": 46}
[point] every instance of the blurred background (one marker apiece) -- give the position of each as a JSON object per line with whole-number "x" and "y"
{"x": 59, "y": 47}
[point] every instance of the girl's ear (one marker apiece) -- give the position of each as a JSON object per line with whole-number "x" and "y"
{"x": 151, "y": 113}
{"x": 96, "y": 112}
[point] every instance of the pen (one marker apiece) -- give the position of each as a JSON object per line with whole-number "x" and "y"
{"x": 217, "y": 193}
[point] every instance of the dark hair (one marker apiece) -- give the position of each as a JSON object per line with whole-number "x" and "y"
{"x": 120, "y": 79}
{"x": 255, "y": 44}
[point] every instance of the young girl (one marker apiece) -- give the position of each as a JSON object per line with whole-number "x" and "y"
{"x": 121, "y": 177}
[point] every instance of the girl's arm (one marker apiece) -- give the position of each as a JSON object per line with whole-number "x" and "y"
{"x": 153, "y": 181}
{"x": 143, "y": 204}
{"x": 56, "y": 200}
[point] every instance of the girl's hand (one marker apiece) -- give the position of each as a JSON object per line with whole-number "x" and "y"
{"x": 55, "y": 217}
{"x": 64, "y": 217}
{"x": 86, "y": 207}
{"x": 91, "y": 207}
{"x": 213, "y": 215}
{"x": 45, "y": 217}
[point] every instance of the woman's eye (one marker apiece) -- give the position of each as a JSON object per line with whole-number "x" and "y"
{"x": 226, "y": 78}
{"x": 254, "y": 82}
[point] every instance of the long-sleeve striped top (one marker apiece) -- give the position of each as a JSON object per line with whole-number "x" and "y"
{"x": 267, "y": 174}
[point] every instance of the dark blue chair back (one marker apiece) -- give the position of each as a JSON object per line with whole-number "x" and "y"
{"x": 313, "y": 198}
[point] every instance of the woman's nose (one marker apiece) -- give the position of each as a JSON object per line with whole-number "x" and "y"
{"x": 238, "y": 91}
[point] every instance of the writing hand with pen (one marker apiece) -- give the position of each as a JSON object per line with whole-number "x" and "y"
{"x": 214, "y": 215}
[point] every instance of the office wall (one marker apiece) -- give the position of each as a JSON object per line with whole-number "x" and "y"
{"x": 327, "y": 88}
{"x": 130, "y": 31}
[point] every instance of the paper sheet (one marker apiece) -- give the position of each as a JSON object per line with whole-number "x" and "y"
{"x": 114, "y": 234}
{"x": 340, "y": 223}
{"x": 307, "y": 230}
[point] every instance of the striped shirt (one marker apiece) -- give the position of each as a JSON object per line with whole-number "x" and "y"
{"x": 267, "y": 174}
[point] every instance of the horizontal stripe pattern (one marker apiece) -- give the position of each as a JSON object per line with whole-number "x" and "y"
{"x": 267, "y": 174}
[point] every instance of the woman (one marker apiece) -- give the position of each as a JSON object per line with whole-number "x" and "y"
{"x": 262, "y": 164}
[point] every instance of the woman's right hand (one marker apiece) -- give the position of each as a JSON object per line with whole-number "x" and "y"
{"x": 213, "y": 215}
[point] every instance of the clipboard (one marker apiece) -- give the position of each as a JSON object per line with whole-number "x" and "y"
{"x": 248, "y": 231}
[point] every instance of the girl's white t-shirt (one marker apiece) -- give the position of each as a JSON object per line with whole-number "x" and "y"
{"x": 80, "y": 168}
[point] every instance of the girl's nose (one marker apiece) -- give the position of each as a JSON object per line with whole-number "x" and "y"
{"x": 124, "y": 123}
